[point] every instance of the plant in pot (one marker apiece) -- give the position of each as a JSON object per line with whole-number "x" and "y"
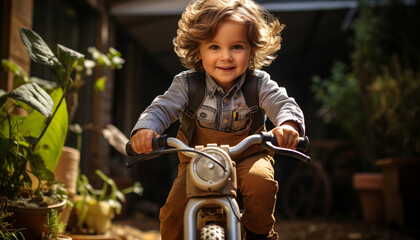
{"x": 71, "y": 70}
{"x": 70, "y": 78}
{"x": 55, "y": 227}
{"x": 385, "y": 65}
{"x": 31, "y": 142}
{"x": 95, "y": 208}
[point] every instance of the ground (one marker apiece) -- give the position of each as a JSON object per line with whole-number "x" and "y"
{"x": 140, "y": 227}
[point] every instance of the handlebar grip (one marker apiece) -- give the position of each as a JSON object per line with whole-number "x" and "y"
{"x": 157, "y": 144}
{"x": 129, "y": 150}
{"x": 270, "y": 142}
{"x": 303, "y": 144}
{"x": 160, "y": 142}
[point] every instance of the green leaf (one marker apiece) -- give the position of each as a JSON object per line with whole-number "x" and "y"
{"x": 51, "y": 144}
{"x": 5, "y": 124}
{"x": 135, "y": 188}
{"x": 20, "y": 76}
{"x": 101, "y": 58}
{"x": 37, "y": 49}
{"x": 45, "y": 84}
{"x": 114, "y": 52}
{"x": 34, "y": 96}
{"x": 39, "y": 169}
{"x": 68, "y": 57}
{"x": 100, "y": 83}
{"x": 120, "y": 196}
{"x": 49, "y": 147}
{"x": 115, "y": 205}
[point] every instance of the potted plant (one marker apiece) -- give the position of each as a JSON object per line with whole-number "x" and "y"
{"x": 32, "y": 142}
{"x": 39, "y": 136}
{"x": 385, "y": 65}
{"x": 95, "y": 208}
{"x": 55, "y": 227}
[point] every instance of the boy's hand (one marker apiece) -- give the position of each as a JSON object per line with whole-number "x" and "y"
{"x": 141, "y": 142}
{"x": 287, "y": 134}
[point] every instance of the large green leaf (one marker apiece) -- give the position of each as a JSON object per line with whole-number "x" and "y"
{"x": 39, "y": 168}
{"x": 34, "y": 96}
{"x": 50, "y": 145}
{"x": 37, "y": 49}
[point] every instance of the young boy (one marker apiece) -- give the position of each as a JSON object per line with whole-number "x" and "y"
{"x": 227, "y": 42}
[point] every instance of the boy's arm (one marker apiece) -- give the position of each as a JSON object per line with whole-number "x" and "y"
{"x": 278, "y": 106}
{"x": 165, "y": 109}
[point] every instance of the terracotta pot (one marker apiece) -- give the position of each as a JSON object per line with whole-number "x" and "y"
{"x": 370, "y": 188}
{"x": 66, "y": 172}
{"x": 402, "y": 191}
{"x": 33, "y": 219}
{"x": 67, "y": 168}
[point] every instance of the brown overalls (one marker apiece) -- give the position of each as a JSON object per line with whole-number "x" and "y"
{"x": 256, "y": 182}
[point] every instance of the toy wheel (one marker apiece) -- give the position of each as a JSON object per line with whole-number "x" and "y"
{"x": 212, "y": 232}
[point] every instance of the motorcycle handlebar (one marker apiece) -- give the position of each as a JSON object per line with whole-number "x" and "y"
{"x": 264, "y": 139}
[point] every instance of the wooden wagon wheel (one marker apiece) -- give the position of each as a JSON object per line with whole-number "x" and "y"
{"x": 307, "y": 192}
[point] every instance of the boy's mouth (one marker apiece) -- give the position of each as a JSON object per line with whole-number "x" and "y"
{"x": 226, "y": 68}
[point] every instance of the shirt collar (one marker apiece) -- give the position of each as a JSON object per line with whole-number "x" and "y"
{"x": 213, "y": 87}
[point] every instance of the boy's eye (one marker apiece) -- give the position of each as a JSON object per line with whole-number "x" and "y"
{"x": 237, "y": 47}
{"x": 214, "y": 47}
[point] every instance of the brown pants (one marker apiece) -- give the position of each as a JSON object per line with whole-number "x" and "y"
{"x": 256, "y": 183}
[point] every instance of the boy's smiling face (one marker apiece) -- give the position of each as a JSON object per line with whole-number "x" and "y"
{"x": 226, "y": 56}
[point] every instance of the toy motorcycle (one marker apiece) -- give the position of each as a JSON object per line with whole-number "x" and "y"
{"x": 212, "y": 209}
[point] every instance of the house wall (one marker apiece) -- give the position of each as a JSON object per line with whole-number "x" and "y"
{"x": 15, "y": 14}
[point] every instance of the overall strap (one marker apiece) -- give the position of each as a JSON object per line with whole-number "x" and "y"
{"x": 196, "y": 95}
{"x": 251, "y": 90}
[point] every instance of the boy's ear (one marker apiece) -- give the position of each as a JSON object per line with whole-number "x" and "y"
{"x": 199, "y": 55}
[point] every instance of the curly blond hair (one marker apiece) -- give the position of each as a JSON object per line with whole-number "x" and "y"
{"x": 199, "y": 22}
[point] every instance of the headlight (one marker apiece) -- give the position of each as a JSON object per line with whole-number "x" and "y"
{"x": 206, "y": 173}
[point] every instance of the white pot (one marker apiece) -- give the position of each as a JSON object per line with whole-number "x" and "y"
{"x": 99, "y": 216}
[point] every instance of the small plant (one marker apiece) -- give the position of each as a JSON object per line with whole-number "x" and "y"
{"x": 91, "y": 199}
{"x": 7, "y": 231}
{"x": 54, "y": 225}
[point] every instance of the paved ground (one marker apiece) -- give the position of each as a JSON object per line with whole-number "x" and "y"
{"x": 143, "y": 228}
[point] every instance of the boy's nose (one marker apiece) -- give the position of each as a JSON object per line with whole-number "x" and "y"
{"x": 226, "y": 55}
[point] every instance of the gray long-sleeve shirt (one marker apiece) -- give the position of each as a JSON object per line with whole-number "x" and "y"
{"x": 225, "y": 112}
